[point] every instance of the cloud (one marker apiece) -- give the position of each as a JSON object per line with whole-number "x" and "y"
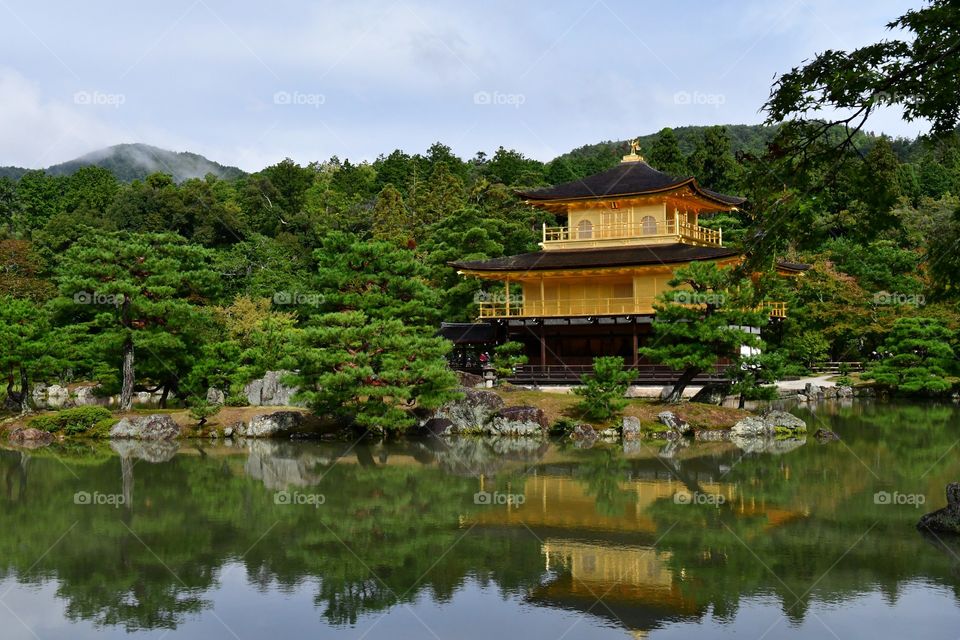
{"x": 35, "y": 132}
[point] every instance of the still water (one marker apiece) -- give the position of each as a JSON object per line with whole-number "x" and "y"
{"x": 488, "y": 538}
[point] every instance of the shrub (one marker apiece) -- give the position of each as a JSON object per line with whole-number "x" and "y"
{"x": 236, "y": 400}
{"x": 71, "y": 421}
{"x": 200, "y": 410}
{"x": 603, "y": 392}
{"x": 507, "y": 357}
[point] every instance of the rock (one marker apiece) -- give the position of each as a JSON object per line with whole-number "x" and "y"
{"x": 142, "y": 397}
{"x": 157, "y": 426}
{"x": 609, "y": 434}
{"x": 470, "y": 380}
{"x": 845, "y": 392}
{"x": 670, "y": 419}
{"x": 86, "y": 395}
{"x": 711, "y": 435}
{"x": 712, "y": 393}
{"x": 31, "y": 437}
{"x": 438, "y": 426}
{"x": 471, "y": 412}
{"x": 272, "y": 425}
{"x": 825, "y": 435}
{"x": 583, "y": 432}
{"x": 665, "y": 392}
{"x": 802, "y": 397}
{"x": 519, "y": 421}
{"x": 630, "y": 428}
{"x": 784, "y": 420}
{"x": 269, "y": 391}
{"x": 829, "y": 392}
{"x": 946, "y": 520}
{"x": 632, "y": 447}
{"x": 39, "y": 393}
{"x": 56, "y": 391}
{"x": 865, "y": 392}
{"x": 231, "y": 429}
{"x": 752, "y": 427}
{"x": 813, "y": 391}
{"x": 215, "y": 396}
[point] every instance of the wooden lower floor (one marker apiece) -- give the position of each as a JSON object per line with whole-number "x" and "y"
{"x": 561, "y": 350}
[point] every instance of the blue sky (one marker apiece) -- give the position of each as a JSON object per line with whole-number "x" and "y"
{"x": 251, "y": 83}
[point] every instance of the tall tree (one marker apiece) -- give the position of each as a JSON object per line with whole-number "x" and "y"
{"x": 136, "y": 292}
{"x": 29, "y": 348}
{"x": 372, "y": 352}
{"x": 702, "y": 321}
{"x": 665, "y": 154}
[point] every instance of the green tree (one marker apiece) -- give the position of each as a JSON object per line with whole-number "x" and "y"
{"x": 702, "y": 322}
{"x": 918, "y": 72}
{"x": 507, "y": 357}
{"x": 604, "y": 390}
{"x": 372, "y": 353}
{"x": 915, "y": 358}
{"x": 29, "y": 348}
{"x": 136, "y": 292}
{"x": 753, "y": 376}
{"x": 665, "y": 154}
{"x": 390, "y": 218}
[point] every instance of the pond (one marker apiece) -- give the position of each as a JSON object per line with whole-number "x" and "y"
{"x": 473, "y": 538}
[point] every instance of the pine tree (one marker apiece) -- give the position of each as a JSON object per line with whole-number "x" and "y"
{"x": 137, "y": 294}
{"x": 665, "y": 154}
{"x": 372, "y": 353}
{"x": 916, "y": 357}
{"x": 701, "y": 321}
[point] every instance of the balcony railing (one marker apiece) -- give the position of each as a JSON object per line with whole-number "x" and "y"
{"x": 601, "y": 234}
{"x": 587, "y": 307}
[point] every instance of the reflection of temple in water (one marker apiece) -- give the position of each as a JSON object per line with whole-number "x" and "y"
{"x": 605, "y": 561}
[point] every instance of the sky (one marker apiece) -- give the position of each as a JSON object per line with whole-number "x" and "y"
{"x": 250, "y": 83}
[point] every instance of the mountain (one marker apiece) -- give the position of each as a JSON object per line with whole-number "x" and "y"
{"x": 129, "y": 162}
{"x": 13, "y": 173}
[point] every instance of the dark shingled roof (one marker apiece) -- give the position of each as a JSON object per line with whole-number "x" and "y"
{"x": 625, "y": 179}
{"x": 467, "y": 332}
{"x": 604, "y": 257}
{"x": 786, "y": 265}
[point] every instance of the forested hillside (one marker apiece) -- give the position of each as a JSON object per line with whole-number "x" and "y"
{"x": 236, "y": 265}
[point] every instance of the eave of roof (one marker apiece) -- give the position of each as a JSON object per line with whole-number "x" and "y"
{"x": 597, "y": 258}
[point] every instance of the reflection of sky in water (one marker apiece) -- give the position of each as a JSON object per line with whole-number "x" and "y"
{"x": 482, "y": 612}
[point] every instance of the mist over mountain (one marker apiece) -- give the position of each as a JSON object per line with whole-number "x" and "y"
{"x": 129, "y": 162}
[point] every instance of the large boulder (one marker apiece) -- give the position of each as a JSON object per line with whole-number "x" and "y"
{"x": 752, "y": 427}
{"x": 216, "y": 396}
{"x": 783, "y": 420}
{"x": 946, "y": 520}
{"x": 472, "y": 411}
{"x": 812, "y": 391}
{"x": 630, "y": 429}
{"x": 519, "y": 421}
{"x": 157, "y": 426}
{"x": 278, "y": 424}
{"x": 670, "y": 419}
{"x": 269, "y": 391}
{"x": 582, "y": 432}
{"x": 30, "y": 437}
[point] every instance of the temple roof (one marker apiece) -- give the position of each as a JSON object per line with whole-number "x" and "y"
{"x": 627, "y": 179}
{"x": 603, "y": 257}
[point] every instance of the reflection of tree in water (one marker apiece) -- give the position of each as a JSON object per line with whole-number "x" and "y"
{"x": 400, "y": 511}
{"x": 602, "y": 472}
